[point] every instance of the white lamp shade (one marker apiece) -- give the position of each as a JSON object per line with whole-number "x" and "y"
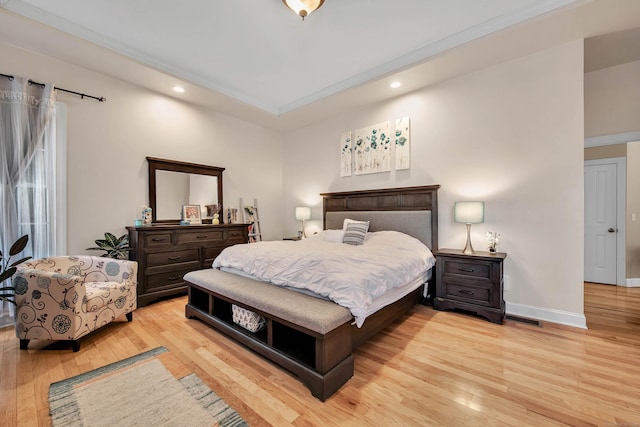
{"x": 468, "y": 212}
{"x": 303, "y": 213}
{"x": 303, "y": 7}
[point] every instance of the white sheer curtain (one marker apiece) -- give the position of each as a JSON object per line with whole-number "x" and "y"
{"x": 27, "y": 166}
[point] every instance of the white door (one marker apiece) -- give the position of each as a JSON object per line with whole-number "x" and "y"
{"x": 600, "y": 223}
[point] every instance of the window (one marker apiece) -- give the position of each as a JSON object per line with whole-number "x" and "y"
{"x": 41, "y": 194}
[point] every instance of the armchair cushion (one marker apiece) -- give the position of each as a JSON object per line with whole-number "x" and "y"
{"x": 100, "y": 294}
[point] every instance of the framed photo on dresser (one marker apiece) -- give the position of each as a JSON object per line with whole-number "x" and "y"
{"x": 192, "y": 214}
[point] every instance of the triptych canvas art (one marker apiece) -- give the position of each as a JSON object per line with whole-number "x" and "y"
{"x": 369, "y": 150}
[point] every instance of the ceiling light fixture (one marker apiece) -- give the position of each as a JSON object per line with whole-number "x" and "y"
{"x": 303, "y": 7}
{"x": 395, "y": 85}
{"x": 178, "y": 89}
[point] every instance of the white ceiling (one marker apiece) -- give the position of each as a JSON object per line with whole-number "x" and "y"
{"x": 256, "y": 59}
{"x": 261, "y": 53}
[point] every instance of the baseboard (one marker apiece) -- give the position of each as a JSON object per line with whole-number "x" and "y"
{"x": 633, "y": 282}
{"x": 577, "y": 320}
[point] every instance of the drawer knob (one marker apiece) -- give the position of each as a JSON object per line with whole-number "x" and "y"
{"x": 174, "y": 277}
{"x": 173, "y": 258}
{"x": 466, "y": 270}
{"x": 465, "y": 292}
{"x": 202, "y": 236}
{"x": 158, "y": 239}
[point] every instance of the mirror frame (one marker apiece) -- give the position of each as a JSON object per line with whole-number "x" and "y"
{"x": 156, "y": 164}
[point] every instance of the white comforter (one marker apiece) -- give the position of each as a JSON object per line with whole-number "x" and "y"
{"x": 352, "y": 276}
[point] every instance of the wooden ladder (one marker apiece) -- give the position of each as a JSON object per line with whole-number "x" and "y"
{"x": 250, "y": 216}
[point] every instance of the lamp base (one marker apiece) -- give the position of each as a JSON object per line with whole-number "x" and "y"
{"x": 303, "y": 234}
{"x": 468, "y": 248}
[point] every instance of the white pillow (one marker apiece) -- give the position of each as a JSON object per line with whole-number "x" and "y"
{"x": 335, "y": 236}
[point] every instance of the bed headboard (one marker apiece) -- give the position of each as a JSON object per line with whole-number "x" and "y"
{"x": 411, "y": 210}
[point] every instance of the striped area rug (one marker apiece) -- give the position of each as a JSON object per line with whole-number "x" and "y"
{"x": 150, "y": 389}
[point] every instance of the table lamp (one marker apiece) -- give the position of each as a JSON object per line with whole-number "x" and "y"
{"x": 303, "y": 213}
{"x": 468, "y": 213}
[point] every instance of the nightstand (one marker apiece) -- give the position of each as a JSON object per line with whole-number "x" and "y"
{"x": 471, "y": 282}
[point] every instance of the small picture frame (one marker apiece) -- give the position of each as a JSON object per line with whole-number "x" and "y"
{"x": 192, "y": 214}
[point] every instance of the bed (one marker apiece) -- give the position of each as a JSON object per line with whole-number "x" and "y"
{"x": 310, "y": 337}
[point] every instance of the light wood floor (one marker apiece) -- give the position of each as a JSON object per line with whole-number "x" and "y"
{"x": 430, "y": 368}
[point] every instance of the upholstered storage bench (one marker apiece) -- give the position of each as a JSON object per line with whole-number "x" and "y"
{"x": 307, "y": 336}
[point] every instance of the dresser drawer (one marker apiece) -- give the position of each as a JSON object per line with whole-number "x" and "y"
{"x": 468, "y": 268}
{"x": 157, "y": 239}
{"x": 167, "y": 280}
{"x": 236, "y": 236}
{"x": 173, "y": 257}
{"x": 200, "y": 236}
{"x": 210, "y": 253}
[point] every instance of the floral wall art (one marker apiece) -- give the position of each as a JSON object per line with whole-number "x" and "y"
{"x": 403, "y": 143}
{"x": 371, "y": 149}
{"x": 368, "y": 150}
{"x": 345, "y": 154}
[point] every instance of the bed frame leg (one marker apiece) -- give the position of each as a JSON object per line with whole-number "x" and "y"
{"x": 324, "y": 386}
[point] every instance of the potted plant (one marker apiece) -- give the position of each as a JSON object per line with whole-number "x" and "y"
{"x": 8, "y": 270}
{"x": 114, "y": 247}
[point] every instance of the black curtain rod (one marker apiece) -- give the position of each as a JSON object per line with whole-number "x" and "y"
{"x": 81, "y": 95}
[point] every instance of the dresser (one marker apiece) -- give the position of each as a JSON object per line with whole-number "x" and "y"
{"x": 471, "y": 282}
{"x": 165, "y": 253}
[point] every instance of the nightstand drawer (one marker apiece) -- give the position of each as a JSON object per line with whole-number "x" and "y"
{"x": 462, "y": 291}
{"x": 474, "y": 269}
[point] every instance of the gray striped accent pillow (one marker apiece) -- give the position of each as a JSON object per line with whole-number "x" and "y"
{"x": 355, "y": 232}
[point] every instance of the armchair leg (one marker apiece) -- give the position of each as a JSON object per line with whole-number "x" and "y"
{"x": 75, "y": 346}
{"x": 129, "y": 316}
{"x": 24, "y": 344}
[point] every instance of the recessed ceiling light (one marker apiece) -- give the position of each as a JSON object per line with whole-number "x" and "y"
{"x": 395, "y": 85}
{"x": 178, "y": 89}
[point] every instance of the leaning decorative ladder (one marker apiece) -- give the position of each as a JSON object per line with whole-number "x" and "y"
{"x": 250, "y": 216}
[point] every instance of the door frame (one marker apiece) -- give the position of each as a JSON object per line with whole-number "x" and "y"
{"x": 621, "y": 213}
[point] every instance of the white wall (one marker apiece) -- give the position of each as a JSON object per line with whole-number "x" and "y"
{"x": 511, "y": 135}
{"x": 108, "y": 142}
{"x": 612, "y": 100}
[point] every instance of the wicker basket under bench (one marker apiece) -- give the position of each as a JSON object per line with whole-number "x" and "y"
{"x": 307, "y": 336}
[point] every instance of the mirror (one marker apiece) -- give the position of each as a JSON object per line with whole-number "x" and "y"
{"x": 173, "y": 184}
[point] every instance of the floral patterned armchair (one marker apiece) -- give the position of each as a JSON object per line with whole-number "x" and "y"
{"x": 65, "y": 298}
